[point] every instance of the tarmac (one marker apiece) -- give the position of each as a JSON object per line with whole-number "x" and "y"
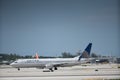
{"x": 81, "y": 72}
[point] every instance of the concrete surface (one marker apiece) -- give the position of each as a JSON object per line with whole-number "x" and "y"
{"x": 105, "y": 71}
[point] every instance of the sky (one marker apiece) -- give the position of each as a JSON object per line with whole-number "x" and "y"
{"x": 50, "y": 27}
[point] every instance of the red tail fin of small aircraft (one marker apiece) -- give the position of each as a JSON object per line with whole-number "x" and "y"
{"x": 36, "y": 56}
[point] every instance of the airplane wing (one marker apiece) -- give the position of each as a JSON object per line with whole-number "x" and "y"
{"x": 62, "y": 64}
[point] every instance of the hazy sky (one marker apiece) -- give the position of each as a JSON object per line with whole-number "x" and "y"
{"x": 51, "y": 27}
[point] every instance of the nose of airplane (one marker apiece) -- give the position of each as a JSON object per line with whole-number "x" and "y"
{"x": 11, "y": 64}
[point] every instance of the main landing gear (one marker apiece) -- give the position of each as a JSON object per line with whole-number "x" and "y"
{"x": 51, "y": 69}
{"x": 55, "y": 68}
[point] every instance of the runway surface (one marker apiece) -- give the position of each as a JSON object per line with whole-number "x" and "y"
{"x": 105, "y": 71}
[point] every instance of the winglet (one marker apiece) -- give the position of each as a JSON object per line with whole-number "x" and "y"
{"x": 86, "y": 52}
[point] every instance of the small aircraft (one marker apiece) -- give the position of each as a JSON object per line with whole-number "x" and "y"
{"x": 53, "y": 63}
{"x": 36, "y": 56}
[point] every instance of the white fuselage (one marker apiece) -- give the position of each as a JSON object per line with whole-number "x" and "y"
{"x": 42, "y": 63}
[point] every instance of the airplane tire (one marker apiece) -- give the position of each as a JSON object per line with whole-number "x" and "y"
{"x": 55, "y": 68}
{"x": 18, "y": 69}
{"x": 51, "y": 69}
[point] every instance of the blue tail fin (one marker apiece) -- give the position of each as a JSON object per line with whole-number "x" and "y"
{"x": 86, "y": 52}
{"x": 88, "y": 48}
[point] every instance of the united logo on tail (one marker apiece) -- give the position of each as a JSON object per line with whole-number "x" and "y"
{"x": 86, "y": 52}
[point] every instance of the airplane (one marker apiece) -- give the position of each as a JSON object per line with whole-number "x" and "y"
{"x": 53, "y": 63}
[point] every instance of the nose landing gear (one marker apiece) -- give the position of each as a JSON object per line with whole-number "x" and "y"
{"x": 18, "y": 69}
